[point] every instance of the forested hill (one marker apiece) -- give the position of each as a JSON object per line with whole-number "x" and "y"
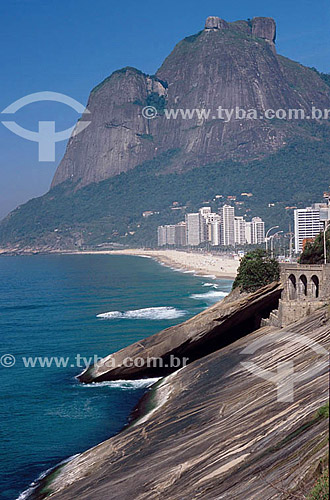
{"x": 111, "y": 210}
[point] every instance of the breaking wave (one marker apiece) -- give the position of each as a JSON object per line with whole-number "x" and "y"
{"x": 152, "y": 313}
{"x": 142, "y": 383}
{"x": 28, "y": 492}
{"x": 211, "y": 296}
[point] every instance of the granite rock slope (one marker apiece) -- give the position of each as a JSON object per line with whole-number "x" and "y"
{"x": 216, "y": 430}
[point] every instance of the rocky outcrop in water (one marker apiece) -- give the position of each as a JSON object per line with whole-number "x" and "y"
{"x": 217, "y": 326}
{"x": 215, "y": 430}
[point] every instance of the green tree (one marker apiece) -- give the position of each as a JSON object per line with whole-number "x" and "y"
{"x": 314, "y": 252}
{"x": 256, "y": 270}
{"x": 320, "y": 490}
{"x": 157, "y": 101}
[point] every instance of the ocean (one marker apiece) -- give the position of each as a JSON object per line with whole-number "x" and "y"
{"x": 73, "y": 309}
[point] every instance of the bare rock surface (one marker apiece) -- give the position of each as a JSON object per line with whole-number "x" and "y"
{"x": 226, "y": 64}
{"x": 215, "y": 430}
{"x": 264, "y": 27}
{"x": 214, "y": 22}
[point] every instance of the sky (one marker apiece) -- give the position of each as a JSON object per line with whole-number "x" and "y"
{"x": 69, "y": 46}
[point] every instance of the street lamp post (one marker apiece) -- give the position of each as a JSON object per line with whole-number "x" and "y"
{"x": 266, "y": 237}
{"x": 325, "y": 241}
{"x": 326, "y": 223}
{"x": 272, "y": 242}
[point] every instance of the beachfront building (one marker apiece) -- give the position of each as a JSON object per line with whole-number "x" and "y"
{"x": 248, "y": 233}
{"x": 215, "y": 233}
{"x": 308, "y": 223}
{"x": 214, "y": 228}
{"x": 239, "y": 229}
{"x": 194, "y": 224}
{"x": 161, "y": 236}
{"x": 172, "y": 234}
{"x": 227, "y": 225}
{"x": 180, "y": 234}
{"x": 255, "y": 231}
{"x": 258, "y": 231}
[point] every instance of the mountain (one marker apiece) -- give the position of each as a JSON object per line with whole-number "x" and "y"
{"x": 123, "y": 163}
{"x": 226, "y": 64}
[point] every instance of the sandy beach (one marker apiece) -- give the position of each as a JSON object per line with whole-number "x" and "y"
{"x": 201, "y": 263}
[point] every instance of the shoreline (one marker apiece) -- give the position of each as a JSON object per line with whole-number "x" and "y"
{"x": 201, "y": 264}
{"x": 153, "y": 399}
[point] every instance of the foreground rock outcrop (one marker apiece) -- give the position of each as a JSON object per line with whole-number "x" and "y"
{"x": 216, "y": 327}
{"x": 217, "y": 430}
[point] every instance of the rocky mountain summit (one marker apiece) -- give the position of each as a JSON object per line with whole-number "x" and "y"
{"x": 226, "y": 64}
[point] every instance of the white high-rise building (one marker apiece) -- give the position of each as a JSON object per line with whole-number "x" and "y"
{"x": 307, "y": 225}
{"x": 227, "y": 225}
{"x": 205, "y": 211}
{"x": 239, "y": 227}
{"x": 194, "y": 229}
{"x": 214, "y": 229}
{"x": 255, "y": 231}
{"x": 170, "y": 234}
{"x": 180, "y": 234}
{"x": 258, "y": 231}
{"x": 161, "y": 235}
{"x": 248, "y": 233}
{"x": 166, "y": 235}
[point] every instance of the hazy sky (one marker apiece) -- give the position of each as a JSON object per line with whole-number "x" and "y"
{"x": 69, "y": 46}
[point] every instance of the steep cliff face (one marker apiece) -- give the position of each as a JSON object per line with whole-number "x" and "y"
{"x": 117, "y": 138}
{"x": 226, "y": 64}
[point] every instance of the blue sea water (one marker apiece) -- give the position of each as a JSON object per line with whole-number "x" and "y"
{"x": 50, "y": 307}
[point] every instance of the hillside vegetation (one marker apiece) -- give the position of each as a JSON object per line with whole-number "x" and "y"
{"x": 111, "y": 210}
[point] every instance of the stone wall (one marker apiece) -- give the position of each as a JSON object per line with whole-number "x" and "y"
{"x": 306, "y": 289}
{"x": 307, "y": 282}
